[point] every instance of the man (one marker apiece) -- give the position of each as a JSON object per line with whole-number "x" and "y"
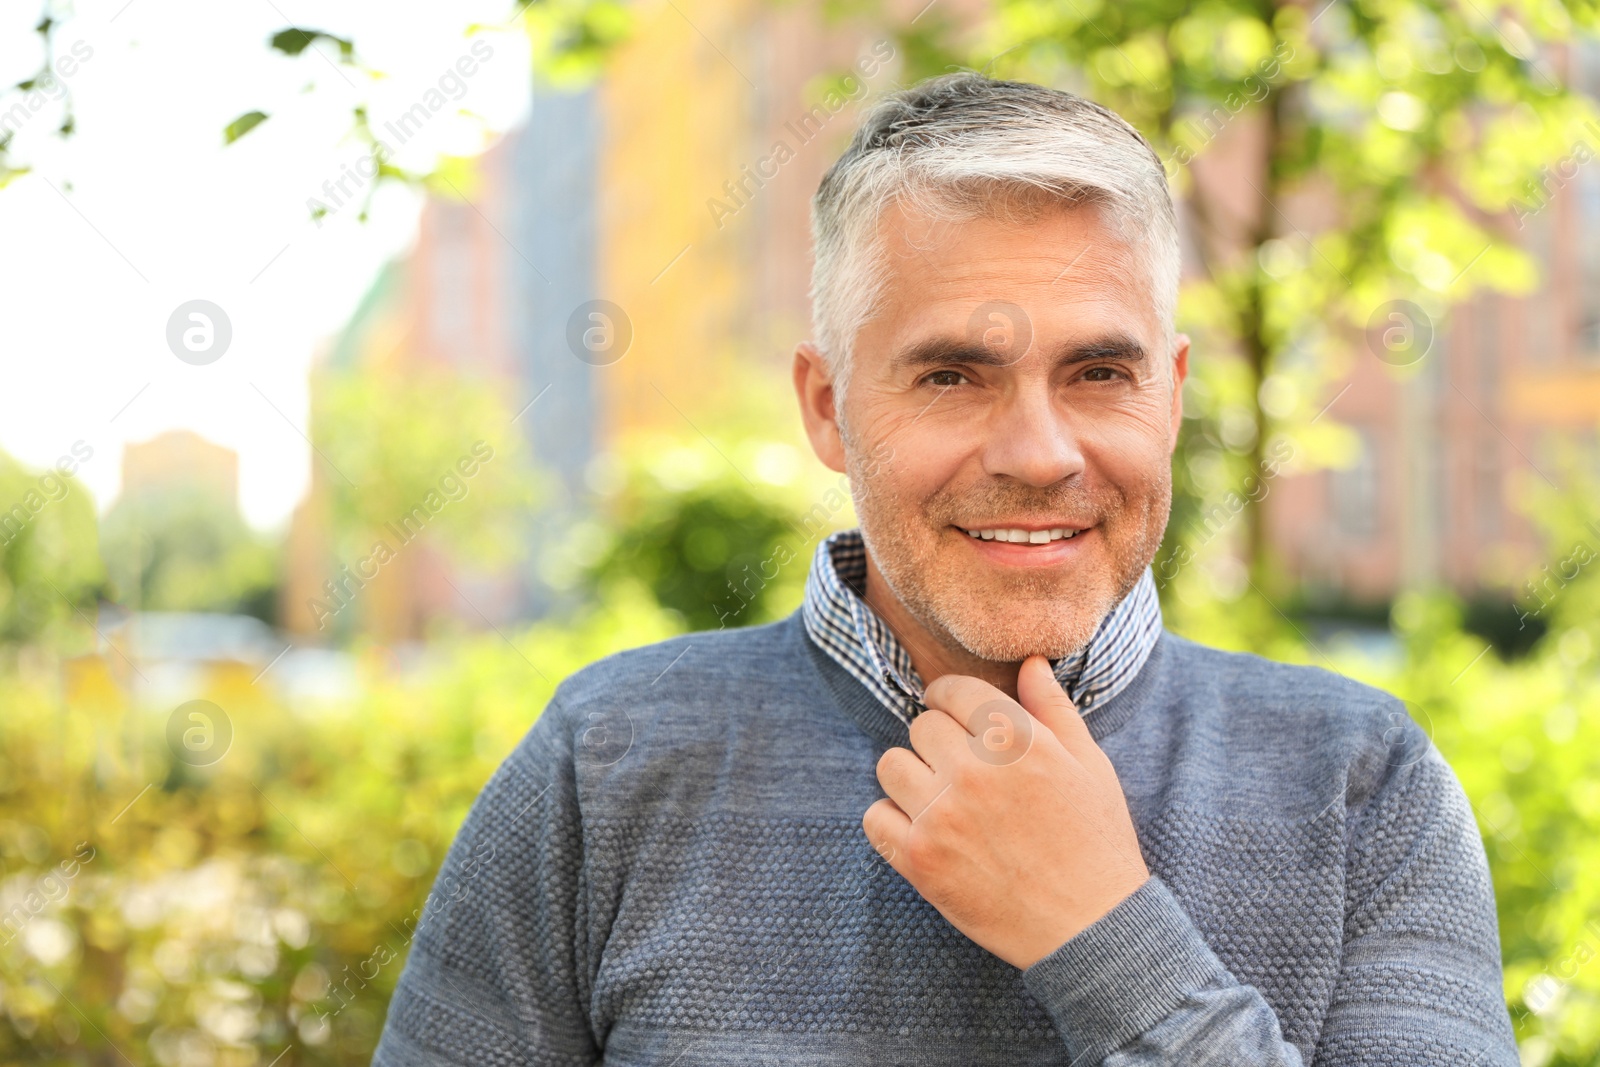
{"x": 1084, "y": 840}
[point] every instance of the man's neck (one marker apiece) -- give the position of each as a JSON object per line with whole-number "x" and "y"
{"x": 929, "y": 655}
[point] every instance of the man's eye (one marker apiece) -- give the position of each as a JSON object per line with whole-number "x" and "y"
{"x": 945, "y": 378}
{"x": 1102, "y": 374}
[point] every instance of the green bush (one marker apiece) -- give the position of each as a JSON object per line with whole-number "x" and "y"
{"x": 169, "y": 913}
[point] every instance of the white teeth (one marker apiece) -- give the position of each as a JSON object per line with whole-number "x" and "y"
{"x": 1024, "y": 537}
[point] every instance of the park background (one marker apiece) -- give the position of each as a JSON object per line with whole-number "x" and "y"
{"x": 497, "y": 304}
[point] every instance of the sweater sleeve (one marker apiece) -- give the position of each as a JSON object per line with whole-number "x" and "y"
{"x": 495, "y": 973}
{"x": 1420, "y": 983}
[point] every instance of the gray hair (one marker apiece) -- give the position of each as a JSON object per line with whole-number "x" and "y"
{"x": 960, "y": 146}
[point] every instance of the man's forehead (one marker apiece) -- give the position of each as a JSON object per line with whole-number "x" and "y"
{"x": 908, "y": 231}
{"x": 1065, "y": 267}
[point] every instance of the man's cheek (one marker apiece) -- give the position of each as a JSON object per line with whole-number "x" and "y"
{"x": 1125, "y": 452}
{"x": 919, "y": 467}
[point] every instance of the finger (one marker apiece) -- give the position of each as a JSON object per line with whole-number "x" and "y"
{"x": 1046, "y": 701}
{"x": 999, "y": 730}
{"x": 910, "y": 783}
{"x": 938, "y": 739}
{"x": 959, "y": 695}
{"x": 887, "y": 827}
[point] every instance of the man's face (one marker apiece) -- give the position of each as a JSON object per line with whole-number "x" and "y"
{"x": 1014, "y": 377}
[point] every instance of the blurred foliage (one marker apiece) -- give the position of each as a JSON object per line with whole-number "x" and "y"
{"x": 426, "y": 446}
{"x": 261, "y": 905}
{"x": 33, "y": 94}
{"x": 718, "y": 552}
{"x": 49, "y": 549}
{"x": 567, "y": 39}
{"x": 187, "y": 549}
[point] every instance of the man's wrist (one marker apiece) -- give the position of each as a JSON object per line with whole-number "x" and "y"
{"x": 1052, "y": 938}
{"x": 1124, "y": 972}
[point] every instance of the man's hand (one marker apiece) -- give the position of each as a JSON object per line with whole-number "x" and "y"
{"x": 1008, "y": 819}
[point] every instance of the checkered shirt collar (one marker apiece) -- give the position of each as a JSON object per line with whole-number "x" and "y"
{"x": 855, "y": 637}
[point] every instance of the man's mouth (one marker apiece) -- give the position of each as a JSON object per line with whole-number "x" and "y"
{"x": 1019, "y": 536}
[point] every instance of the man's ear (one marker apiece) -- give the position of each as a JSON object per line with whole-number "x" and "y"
{"x": 1180, "y": 371}
{"x": 814, "y": 388}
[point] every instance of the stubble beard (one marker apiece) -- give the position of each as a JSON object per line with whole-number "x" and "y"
{"x": 1022, "y": 612}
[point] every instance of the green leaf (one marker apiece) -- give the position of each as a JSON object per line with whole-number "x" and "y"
{"x": 243, "y": 125}
{"x": 294, "y": 40}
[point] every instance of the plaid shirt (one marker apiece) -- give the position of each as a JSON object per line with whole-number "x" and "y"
{"x": 839, "y": 620}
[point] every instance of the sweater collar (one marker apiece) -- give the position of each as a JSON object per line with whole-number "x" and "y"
{"x": 844, "y": 626}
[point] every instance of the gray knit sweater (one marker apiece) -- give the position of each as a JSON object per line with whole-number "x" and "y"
{"x": 670, "y": 869}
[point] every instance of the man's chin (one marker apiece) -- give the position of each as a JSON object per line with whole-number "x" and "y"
{"x": 1017, "y": 636}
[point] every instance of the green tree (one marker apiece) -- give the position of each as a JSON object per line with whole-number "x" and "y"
{"x": 50, "y": 568}
{"x": 421, "y": 452}
{"x": 185, "y": 549}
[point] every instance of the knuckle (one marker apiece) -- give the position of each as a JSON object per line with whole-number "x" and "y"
{"x": 966, "y": 773}
{"x": 875, "y": 820}
{"x": 924, "y": 852}
{"x": 888, "y": 766}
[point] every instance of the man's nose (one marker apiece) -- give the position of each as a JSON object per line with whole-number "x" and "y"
{"x": 1032, "y": 438}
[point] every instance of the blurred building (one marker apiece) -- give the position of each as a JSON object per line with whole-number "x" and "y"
{"x": 181, "y": 460}
{"x": 1449, "y": 446}
{"x": 676, "y": 190}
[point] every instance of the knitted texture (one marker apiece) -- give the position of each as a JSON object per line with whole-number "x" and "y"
{"x": 670, "y": 869}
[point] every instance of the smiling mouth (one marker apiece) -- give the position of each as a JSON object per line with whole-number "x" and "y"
{"x": 1018, "y": 536}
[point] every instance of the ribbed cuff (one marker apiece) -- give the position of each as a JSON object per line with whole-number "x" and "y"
{"x": 1123, "y": 973}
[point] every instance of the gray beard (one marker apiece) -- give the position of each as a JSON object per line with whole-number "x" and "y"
{"x": 942, "y": 602}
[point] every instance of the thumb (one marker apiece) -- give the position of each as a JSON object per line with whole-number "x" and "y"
{"x": 1040, "y": 692}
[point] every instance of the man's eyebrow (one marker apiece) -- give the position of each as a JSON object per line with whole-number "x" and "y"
{"x": 939, "y": 351}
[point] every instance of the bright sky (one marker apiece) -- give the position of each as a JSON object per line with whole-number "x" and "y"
{"x": 149, "y": 210}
